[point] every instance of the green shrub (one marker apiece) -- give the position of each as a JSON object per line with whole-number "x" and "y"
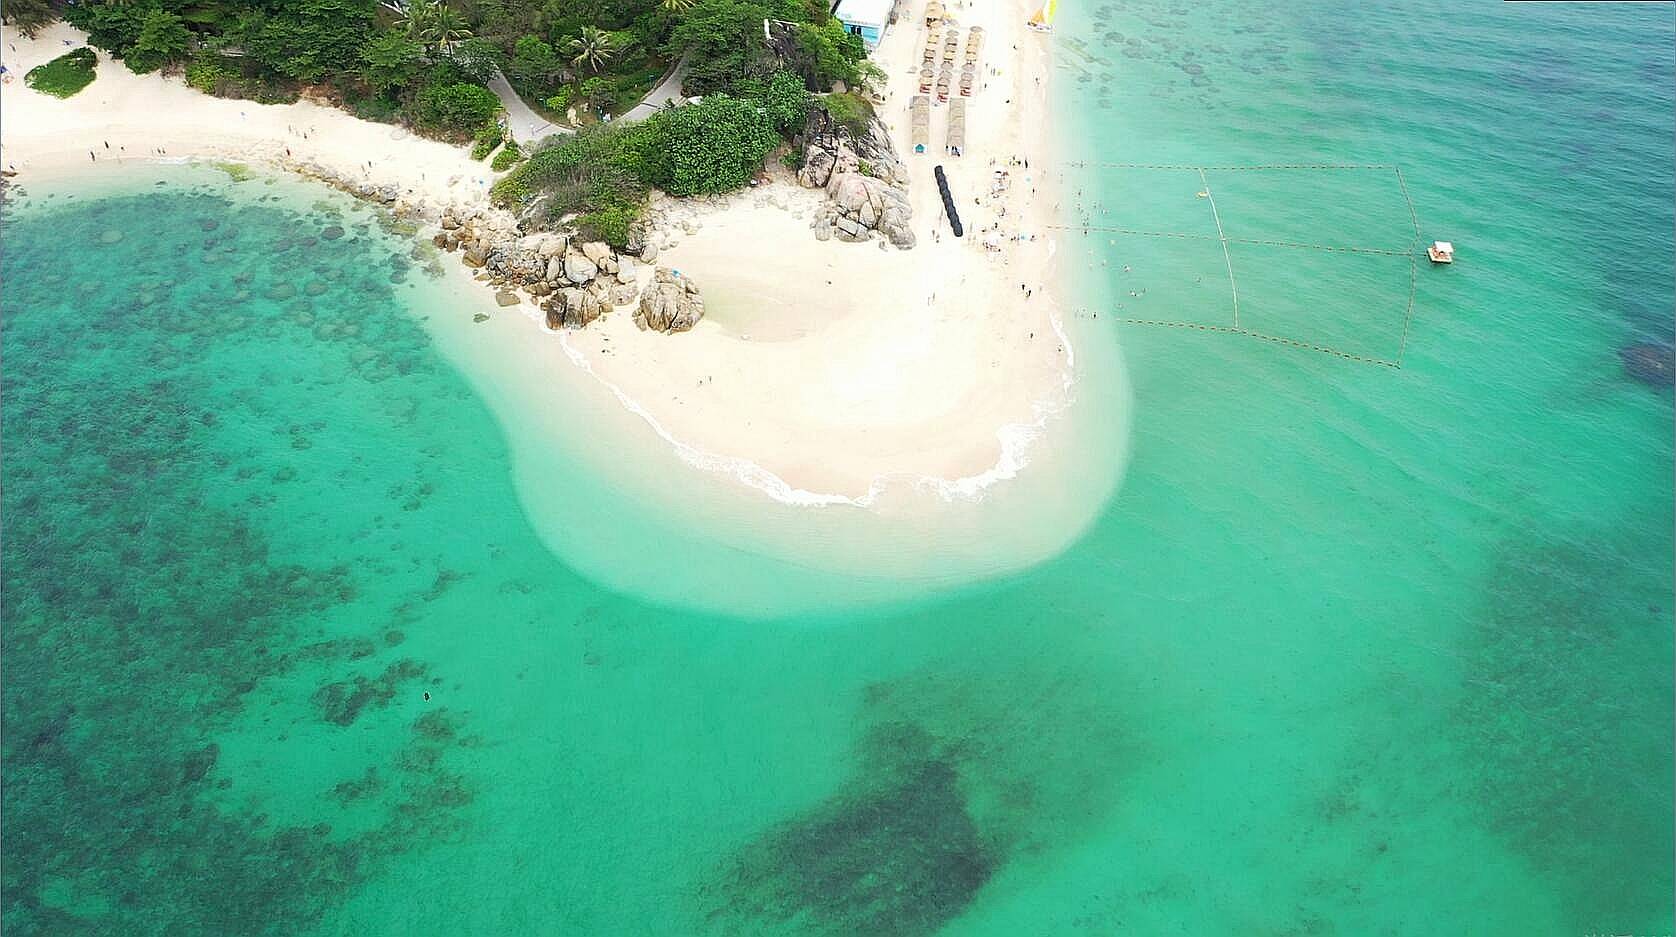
{"x": 205, "y": 76}
{"x": 456, "y": 110}
{"x": 781, "y": 97}
{"x": 851, "y": 111}
{"x": 611, "y": 225}
{"x": 485, "y": 142}
{"x": 602, "y": 166}
{"x": 65, "y": 75}
{"x": 508, "y": 155}
{"x": 715, "y": 145}
{"x": 560, "y": 101}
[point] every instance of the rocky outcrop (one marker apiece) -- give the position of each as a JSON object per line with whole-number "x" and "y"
{"x": 670, "y": 303}
{"x": 574, "y": 282}
{"x": 865, "y": 183}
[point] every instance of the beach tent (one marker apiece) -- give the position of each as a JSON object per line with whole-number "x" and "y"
{"x": 956, "y": 144}
{"x": 919, "y": 119}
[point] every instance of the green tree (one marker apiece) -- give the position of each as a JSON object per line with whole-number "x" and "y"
{"x": 446, "y": 29}
{"x": 29, "y": 16}
{"x": 828, "y": 53}
{"x": 677, "y": 6}
{"x": 592, "y": 50}
{"x": 476, "y": 58}
{"x": 309, "y": 40}
{"x": 725, "y": 42}
{"x": 391, "y": 60}
{"x": 111, "y": 27}
{"x": 534, "y": 63}
{"x": 163, "y": 39}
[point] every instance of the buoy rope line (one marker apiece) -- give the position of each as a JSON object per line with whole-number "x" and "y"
{"x": 1277, "y": 339}
{"x": 1412, "y": 252}
{"x": 1409, "y": 252}
{"x": 1186, "y": 168}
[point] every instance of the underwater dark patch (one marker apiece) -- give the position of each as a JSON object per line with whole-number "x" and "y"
{"x": 144, "y": 604}
{"x": 894, "y": 853}
{"x": 1567, "y": 717}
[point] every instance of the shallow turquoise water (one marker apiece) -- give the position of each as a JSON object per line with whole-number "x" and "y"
{"x": 1355, "y": 649}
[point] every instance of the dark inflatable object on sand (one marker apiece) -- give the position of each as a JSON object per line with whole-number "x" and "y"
{"x": 948, "y": 202}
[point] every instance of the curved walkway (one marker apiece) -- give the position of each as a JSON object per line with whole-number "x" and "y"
{"x": 526, "y": 126}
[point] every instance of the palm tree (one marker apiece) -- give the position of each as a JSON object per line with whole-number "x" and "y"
{"x": 446, "y": 28}
{"x": 416, "y": 18}
{"x": 677, "y": 6}
{"x": 592, "y": 50}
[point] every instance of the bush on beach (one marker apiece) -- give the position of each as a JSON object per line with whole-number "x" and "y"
{"x": 65, "y": 75}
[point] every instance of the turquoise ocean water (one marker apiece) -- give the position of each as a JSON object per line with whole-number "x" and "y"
{"x": 1353, "y": 650}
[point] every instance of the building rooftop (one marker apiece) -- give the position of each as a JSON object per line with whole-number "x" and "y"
{"x": 864, "y": 12}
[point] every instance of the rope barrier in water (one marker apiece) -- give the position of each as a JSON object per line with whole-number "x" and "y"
{"x": 1277, "y": 339}
{"x": 1187, "y": 168}
{"x": 1412, "y": 252}
{"x": 1409, "y": 252}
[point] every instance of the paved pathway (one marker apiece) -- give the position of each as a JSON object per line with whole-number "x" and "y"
{"x": 525, "y": 125}
{"x": 667, "y": 90}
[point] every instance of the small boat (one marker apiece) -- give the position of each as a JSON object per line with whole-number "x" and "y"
{"x": 1042, "y": 20}
{"x": 1441, "y": 252}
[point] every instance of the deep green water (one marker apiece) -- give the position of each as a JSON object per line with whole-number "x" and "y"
{"x": 1354, "y": 650}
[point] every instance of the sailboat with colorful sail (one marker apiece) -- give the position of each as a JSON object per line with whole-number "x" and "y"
{"x": 1042, "y": 20}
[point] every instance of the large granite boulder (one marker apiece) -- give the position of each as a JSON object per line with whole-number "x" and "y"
{"x": 571, "y": 308}
{"x": 873, "y": 205}
{"x": 578, "y": 269}
{"x": 670, "y": 304}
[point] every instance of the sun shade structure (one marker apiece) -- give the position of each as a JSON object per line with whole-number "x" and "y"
{"x": 956, "y": 142}
{"x": 919, "y": 120}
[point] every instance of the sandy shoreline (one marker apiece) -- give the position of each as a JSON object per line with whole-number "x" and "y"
{"x": 824, "y": 372}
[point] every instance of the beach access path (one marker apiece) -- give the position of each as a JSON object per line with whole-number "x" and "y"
{"x": 526, "y": 126}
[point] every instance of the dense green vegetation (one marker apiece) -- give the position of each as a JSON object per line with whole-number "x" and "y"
{"x": 602, "y": 174}
{"x": 418, "y": 61}
{"x": 427, "y": 63}
{"x": 508, "y": 155}
{"x": 64, "y": 75}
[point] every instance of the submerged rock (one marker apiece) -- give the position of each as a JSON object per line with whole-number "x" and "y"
{"x": 1650, "y": 363}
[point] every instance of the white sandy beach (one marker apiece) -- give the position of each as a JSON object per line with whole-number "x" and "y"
{"x": 822, "y": 371}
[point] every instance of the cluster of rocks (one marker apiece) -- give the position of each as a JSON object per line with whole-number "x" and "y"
{"x": 574, "y": 282}
{"x": 670, "y": 304}
{"x": 866, "y": 185}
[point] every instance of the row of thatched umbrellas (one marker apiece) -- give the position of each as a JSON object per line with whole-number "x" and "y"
{"x": 928, "y": 78}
